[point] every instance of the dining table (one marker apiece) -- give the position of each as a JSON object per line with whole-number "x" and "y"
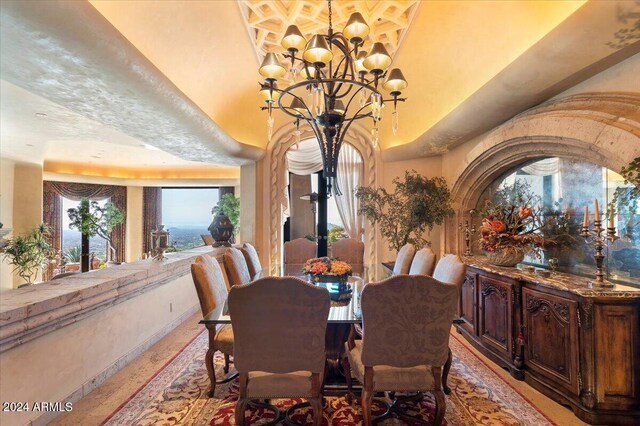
{"x": 344, "y": 314}
{"x": 345, "y": 317}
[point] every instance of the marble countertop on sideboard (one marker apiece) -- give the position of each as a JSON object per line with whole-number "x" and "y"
{"x": 559, "y": 280}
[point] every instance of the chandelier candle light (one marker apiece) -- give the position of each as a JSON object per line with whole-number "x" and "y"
{"x": 339, "y": 85}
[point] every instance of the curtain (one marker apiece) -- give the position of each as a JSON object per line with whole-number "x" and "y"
{"x": 306, "y": 159}
{"x": 52, "y": 211}
{"x": 151, "y": 214}
{"x": 52, "y": 217}
{"x": 350, "y": 176}
{"x": 545, "y": 167}
{"x": 226, "y": 190}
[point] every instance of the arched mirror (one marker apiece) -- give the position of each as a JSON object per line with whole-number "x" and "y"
{"x": 561, "y": 189}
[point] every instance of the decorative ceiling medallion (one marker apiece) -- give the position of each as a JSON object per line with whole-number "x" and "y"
{"x": 267, "y": 20}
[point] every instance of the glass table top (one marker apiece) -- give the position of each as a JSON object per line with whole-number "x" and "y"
{"x": 345, "y": 306}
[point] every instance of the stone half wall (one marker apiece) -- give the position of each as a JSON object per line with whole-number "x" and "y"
{"x": 61, "y": 339}
{"x": 601, "y": 128}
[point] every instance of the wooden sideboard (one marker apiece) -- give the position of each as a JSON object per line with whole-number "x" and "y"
{"x": 576, "y": 344}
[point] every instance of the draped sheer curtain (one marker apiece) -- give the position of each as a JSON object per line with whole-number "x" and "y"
{"x": 350, "y": 177}
{"x": 302, "y": 159}
{"x": 306, "y": 159}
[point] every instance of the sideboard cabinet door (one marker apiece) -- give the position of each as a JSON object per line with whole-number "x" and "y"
{"x": 617, "y": 354}
{"x": 467, "y": 303}
{"x": 495, "y": 322}
{"x": 551, "y": 338}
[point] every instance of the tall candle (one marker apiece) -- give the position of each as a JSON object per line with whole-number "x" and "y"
{"x": 585, "y": 221}
{"x": 612, "y": 223}
{"x": 597, "y": 209}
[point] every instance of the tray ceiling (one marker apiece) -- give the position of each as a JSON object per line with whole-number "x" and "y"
{"x": 267, "y": 20}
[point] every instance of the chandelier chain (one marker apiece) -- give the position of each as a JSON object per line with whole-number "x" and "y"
{"x": 330, "y": 14}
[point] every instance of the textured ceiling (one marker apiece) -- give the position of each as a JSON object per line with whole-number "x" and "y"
{"x": 450, "y": 49}
{"x": 68, "y": 54}
{"x": 36, "y": 130}
{"x": 183, "y": 76}
{"x": 267, "y": 20}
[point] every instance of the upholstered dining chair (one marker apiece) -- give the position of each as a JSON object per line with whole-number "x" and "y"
{"x": 252, "y": 259}
{"x": 296, "y": 253}
{"x": 207, "y": 239}
{"x": 212, "y": 293}
{"x": 236, "y": 267}
{"x": 423, "y": 262}
{"x": 406, "y": 319}
{"x": 351, "y": 251}
{"x": 279, "y": 326}
{"x": 450, "y": 269}
{"x": 403, "y": 259}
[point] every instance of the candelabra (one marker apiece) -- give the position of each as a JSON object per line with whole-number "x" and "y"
{"x": 599, "y": 242}
{"x": 468, "y": 232}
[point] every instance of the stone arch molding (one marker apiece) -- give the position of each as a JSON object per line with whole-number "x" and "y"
{"x": 275, "y": 172}
{"x": 601, "y": 128}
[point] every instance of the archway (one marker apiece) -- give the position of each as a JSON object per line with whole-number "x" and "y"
{"x": 600, "y": 128}
{"x": 275, "y": 183}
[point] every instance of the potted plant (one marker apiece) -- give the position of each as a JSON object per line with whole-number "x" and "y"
{"x": 226, "y": 220}
{"x": 512, "y": 225}
{"x": 29, "y": 253}
{"x": 624, "y": 208}
{"x": 91, "y": 220}
{"x": 417, "y": 205}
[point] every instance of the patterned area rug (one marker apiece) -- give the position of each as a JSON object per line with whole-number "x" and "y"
{"x": 177, "y": 395}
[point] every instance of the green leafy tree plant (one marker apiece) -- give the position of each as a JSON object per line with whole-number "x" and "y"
{"x": 29, "y": 253}
{"x": 417, "y": 205}
{"x": 229, "y": 205}
{"x": 91, "y": 220}
{"x": 625, "y": 201}
{"x": 72, "y": 254}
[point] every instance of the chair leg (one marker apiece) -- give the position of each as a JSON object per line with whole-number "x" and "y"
{"x": 445, "y": 373}
{"x": 316, "y": 404}
{"x": 441, "y": 403}
{"x": 347, "y": 372}
{"x": 226, "y": 364}
{"x": 208, "y": 361}
{"x": 241, "y": 407}
{"x": 441, "y": 407}
{"x": 367, "y": 395}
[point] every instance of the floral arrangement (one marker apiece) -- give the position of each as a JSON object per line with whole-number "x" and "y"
{"x": 513, "y": 221}
{"x": 325, "y": 266}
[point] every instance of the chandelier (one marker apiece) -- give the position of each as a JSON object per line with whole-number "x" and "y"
{"x": 338, "y": 85}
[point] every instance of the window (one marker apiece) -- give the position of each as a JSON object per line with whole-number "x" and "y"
{"x": 186, "y": 214}
{"x": 566, "y": 187}
{"x": 72, "y": 238}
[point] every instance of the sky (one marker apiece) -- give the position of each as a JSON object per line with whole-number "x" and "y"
{"x": 182, "y": 207}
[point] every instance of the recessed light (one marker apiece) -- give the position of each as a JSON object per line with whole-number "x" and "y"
{"x": 96, "y": 156}
{"x": 41, "y": 115}
{"x": 29, "y": 144}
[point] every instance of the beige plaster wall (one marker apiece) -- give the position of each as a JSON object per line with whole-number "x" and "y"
{"x": 622, "y": 77}
{"x": 428, "y": 167}
{"x": 134, "y": 223}
{"x": 27, "y": 201}
{"x": 248, "y": 193}
{"x": 52, "y": 367}
{"x": 7, "y": 169}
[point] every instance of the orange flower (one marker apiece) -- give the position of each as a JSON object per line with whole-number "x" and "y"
{"x": 524, "y": 212}
{"x": 496, "y": 225}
